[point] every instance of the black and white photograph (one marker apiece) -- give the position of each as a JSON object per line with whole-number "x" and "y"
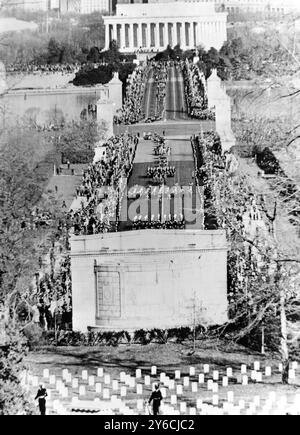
{"x": 149, "y": 210}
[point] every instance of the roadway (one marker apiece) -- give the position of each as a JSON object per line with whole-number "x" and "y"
{"x": 175, "y": 98}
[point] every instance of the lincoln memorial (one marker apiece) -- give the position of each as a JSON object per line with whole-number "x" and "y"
{"x": 155, "y": 25}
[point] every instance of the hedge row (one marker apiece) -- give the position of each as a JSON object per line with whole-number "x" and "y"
{"x": 110, "y": 338}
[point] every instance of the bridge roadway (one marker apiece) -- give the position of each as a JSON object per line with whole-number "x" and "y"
{"x": 175, "y": 107}
{"x": 177, "y": 128}
{"x": 175, "y": 99}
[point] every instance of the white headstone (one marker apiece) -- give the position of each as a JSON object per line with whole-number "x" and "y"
{"x": 179, "y": 390}
{"x": 177, "y": 374}
{"x": 138, "y": 373}
{"x": 123, "y": 391}
{"x": 194, "y": 387}
{"x": 84, "y": 375}
{"x": 245, "y": 380}
{"x": 163, "y": 392}
{"x": 162, "y": 376}
{"x": 256, "y": 366}
{"x": 100, "y": 372}
{"x": 186, "y": 381}
{"x": 46, "y": 373}
{"x": 199, "y": 403}
{"x": 139, "y": 389}
{"x": 75, "y": 383}
{"x": 292, "y": 374}
{"x": 147, "y": 380}
{"x": 268, "y": 371}
{"x": 259, "y": 377}
{"x": 225, "y": 381}
{"x": 69, "y": 378}
{"x": 153, "y": 370}
{"x": 91, "y": 381}
{"x": 59, "y": 384}
{"x": 229, "y": 372}
{"x": 173, "y": 399}
{"x": 35, "y": 381}
{"x": 230, "y": 396}
{"x": 206, "y": 368}
{"x": 107, "y": 379}
{"x": 210, "y": 383}
{"x": 215, "y": 400}
{"x": 201, "y": 378}
{"x": 98, "y": 387}
{"x": 215, "y": 375}
{"x": 183, "y": 407}
{"x": 243, "y": 369}
{"x": 171, "y": 384}
{"x": 192, "y": 371}
{"x": 115, "y": 385}
{"x": 82, "y": 390}
{"x": 215, "y": 387}
{"x": 106, "y": 393}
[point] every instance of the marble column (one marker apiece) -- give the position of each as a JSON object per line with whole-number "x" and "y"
{"x": 140, "y": 35}
{"x": 174, "y": 34}
{"x": 183, "y": 35}
{"x": 191, "y": 35}
{"x": 156, "y": 35}
{"x": 122, "y": 36}
{"x": 164, "y": 33}
{"x": 148, "y": 42}
{"x": 211, "y": 34}
{"x": 107, "y": 36}
{"x": 130, "y": 36}
{"x": 197, "y": 34}
{"x": 115, "y": 34}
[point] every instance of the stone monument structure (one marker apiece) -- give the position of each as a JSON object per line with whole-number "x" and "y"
{"x": 149, "y": 279}
{"x": 221, "y": 102}
{"x": 3, "y": 84}
{"x": 110, "y": 101}
{"x": 154, "y": 26}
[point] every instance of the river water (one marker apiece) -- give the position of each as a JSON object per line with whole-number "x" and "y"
{"x": 43, "y": 99}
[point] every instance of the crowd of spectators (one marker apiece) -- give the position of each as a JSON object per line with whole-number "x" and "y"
{"x": 156, "y": 107}
{"x": 214, "y": 175}
{"x": 54, "y": 294}
{"x": 195, "y": 90}
{"x": 159, "y": 222}
{"x": 37, "y": 219}
{"x": 101, "y": 190}
{"x": 32, "y": 68}
{"x": 133, "y": 109}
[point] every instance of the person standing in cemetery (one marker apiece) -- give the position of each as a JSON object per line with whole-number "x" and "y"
{"x": 156, "y": 398}
{"x": 41, "y": 397}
